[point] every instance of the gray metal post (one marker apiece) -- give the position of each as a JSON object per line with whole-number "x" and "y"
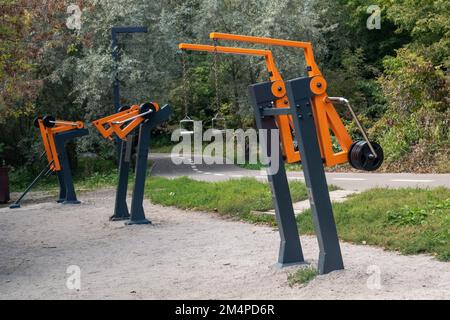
{"x": 137, "y": 209}
{"x": 137, "y": 214}
{"x": 60, "y": 142}
{"x": 290, "y": 248}
{"x": 62, "y": 187}
{"x": 299, "y": 95}
{"x": 120, "y": 206}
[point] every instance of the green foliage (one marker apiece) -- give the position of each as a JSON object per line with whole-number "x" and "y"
{"x": 407, "y": 216}
{"x": 411, "y": 221}
{"x": 416, "y": 123}
{"x": 302, "y": 276}
{"x": 396, "y": 77}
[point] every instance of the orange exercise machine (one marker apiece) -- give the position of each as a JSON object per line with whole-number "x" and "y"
{"x": 303, "y": 114}
{"x": 55, "y": 134}
{"x": 326, "y": 117}
{"x": 123, "y": 124}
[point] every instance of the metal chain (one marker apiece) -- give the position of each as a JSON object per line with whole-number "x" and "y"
{"x": 216, "y": 75}
{"x": 185, "y": 83}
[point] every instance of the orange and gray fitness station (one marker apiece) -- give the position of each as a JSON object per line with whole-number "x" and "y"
{"x": 304, "y": 115}
{"x": 54, "y": 135}
{"x": 123, "y": 124}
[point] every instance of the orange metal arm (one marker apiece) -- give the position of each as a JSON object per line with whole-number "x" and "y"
{"x": 278, "y": 89}
{"x": 306, "y": 46}
{"x": 267, "y": 54}
{"x": 48, "y": 139}
{"x": 121, "y": 123}
{"x": 103, "y": 125}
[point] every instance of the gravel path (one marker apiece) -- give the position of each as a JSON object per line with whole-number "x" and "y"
{"x": 185, "y": 255}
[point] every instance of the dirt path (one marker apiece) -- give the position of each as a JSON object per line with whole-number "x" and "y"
{"x": 183, "y": 255}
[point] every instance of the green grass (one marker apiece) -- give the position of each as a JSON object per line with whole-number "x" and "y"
{"x": 411, "y": 221}
{"x": 235, "y": 198}
{"x": 302, "y": 276}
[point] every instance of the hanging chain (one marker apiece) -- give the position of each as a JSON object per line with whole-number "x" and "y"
{"x": 185, "y": 83}
{"x": 216, "y": 76}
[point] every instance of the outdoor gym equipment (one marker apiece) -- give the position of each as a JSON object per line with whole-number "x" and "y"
{"x": 122, "y": 125}
{"x": 55, "y": 134}
{"x": 303, "y": 113}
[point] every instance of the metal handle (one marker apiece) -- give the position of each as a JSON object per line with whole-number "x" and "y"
{"x": 134, "y": 117}
{"x": 69, "y": 123}
{"x": 342, "y": 100}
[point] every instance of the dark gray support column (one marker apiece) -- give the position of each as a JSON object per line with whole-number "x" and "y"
{"x": 60, "y": 142}
{"x": 62, "y": 187}
{"x": 299, "y": 94}
{"x": 290, "y": 247}
{"x": 137, "y": 210}
{"x": 120, "y": 206}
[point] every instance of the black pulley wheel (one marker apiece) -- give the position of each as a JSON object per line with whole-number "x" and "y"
{"x": 36, "y": 121}
{"x": 49, "y": 121}
{"x": 123, "y": 108}
{"x": 145, "y": 107}
{"x": 361, "y": 157}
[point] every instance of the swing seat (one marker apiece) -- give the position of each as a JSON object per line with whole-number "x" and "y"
{"x": 185, "y": 126}
{"x": 218, "y": 119}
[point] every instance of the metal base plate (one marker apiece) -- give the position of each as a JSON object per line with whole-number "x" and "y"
{"x": 292, "y": 264}
{"x": 113, "y": 218}
{"x": 72, "y": 202}
{"x": 143, "y": 221}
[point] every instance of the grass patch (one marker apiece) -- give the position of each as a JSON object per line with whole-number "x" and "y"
{"x": 411, "y": 221}
{"x": 236, "y": 198}
{"x": 302, "y": 276}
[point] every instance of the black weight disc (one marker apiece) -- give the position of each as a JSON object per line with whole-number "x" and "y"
{"x": 146, "y": 107}
{"x": 49, "y": 121}
{"x": 361, "y": 158}
{"x": 36, "y": 121}
{"x": 123, "y": 108}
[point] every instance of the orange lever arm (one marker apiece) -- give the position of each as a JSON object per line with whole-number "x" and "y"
{"x": 278, "y": 89}
{"x": 267, "y": 54}
{"x": 103, "y": 125}
{"x": 48, "y": 139}
{"x": 306, "y": 46}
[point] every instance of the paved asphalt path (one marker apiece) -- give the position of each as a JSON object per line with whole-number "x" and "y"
{"x": 196, "y": 169}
